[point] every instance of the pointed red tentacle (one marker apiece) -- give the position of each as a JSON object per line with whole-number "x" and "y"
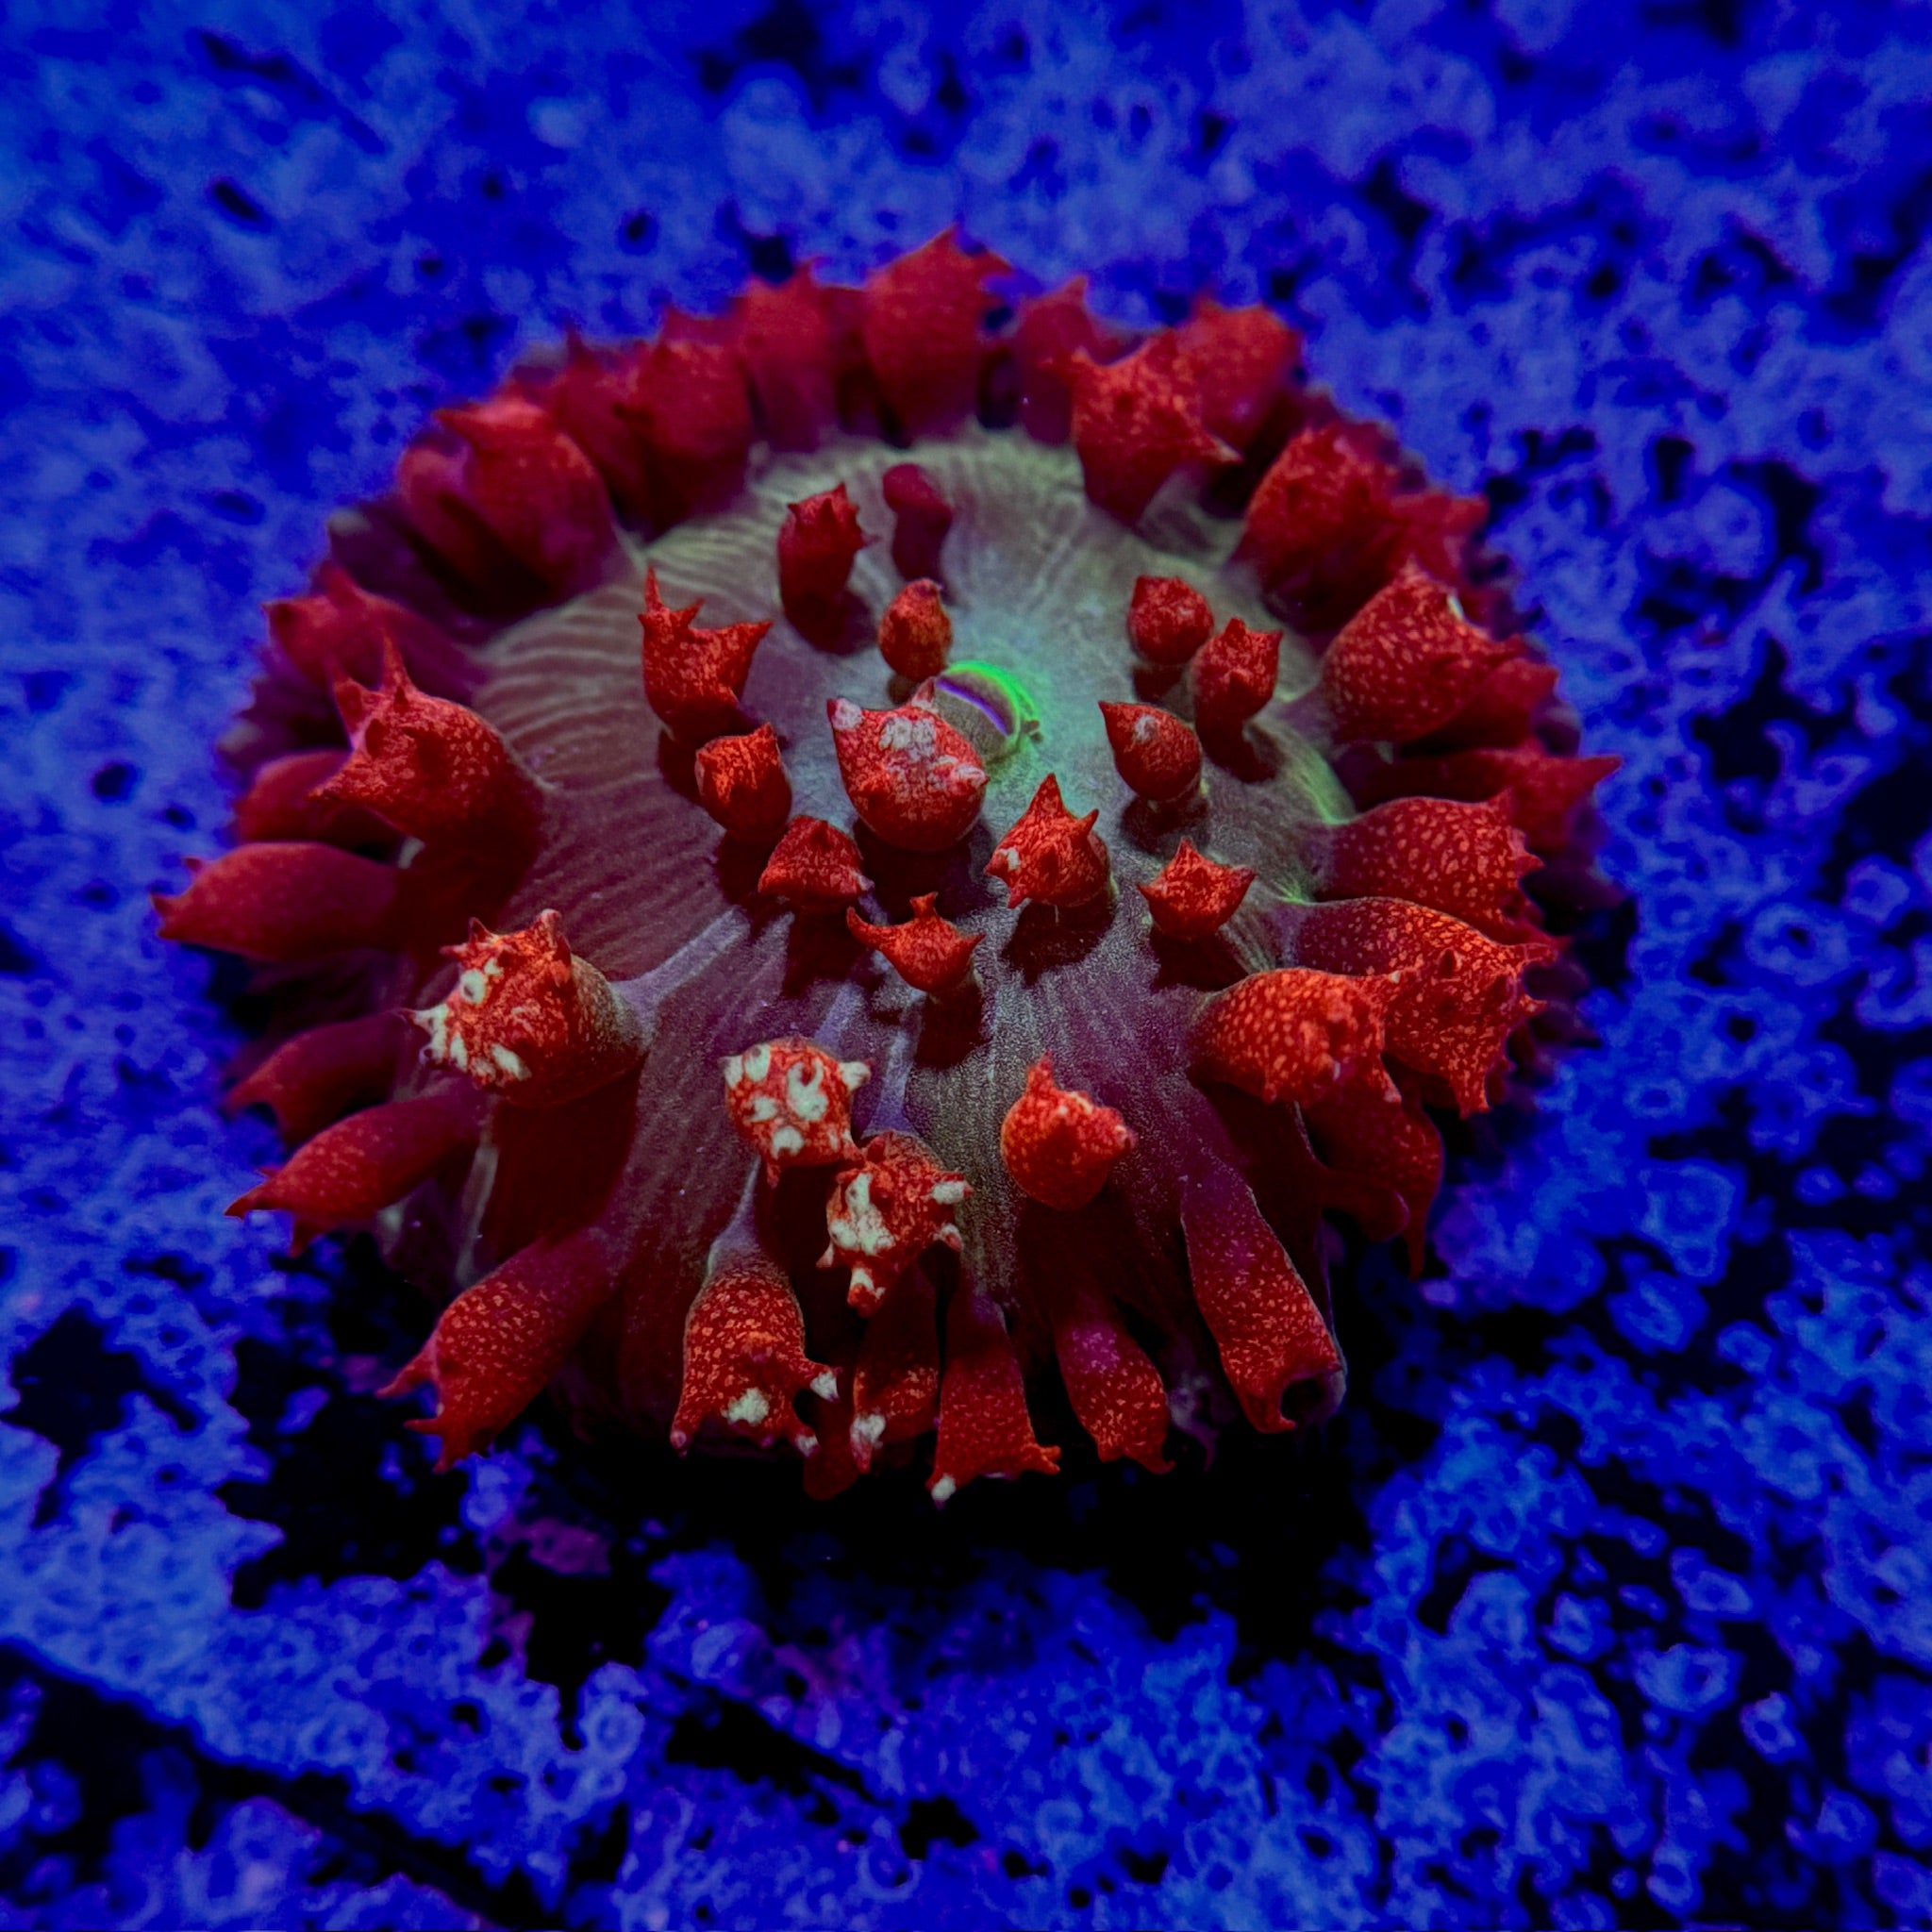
{"x": 1193, "y": 897}
{"x": 1460, "y": 996}
{"x": 337, "y": 630}
{"x": 816, "y": 543}
{"x": 279, "y": 805}
{"x": 498, "y": 1343}
{"x": 1233, "y": 675}
{"x": 1116, "y": 1392}
{"x": 285, "y": 902}
{"x": 432, "y": 768}
{"x": 1467, "y": 860}
{"x": 321, "y": 1074}
{"x": 928, "y": 952}
{"x": 984, "y": 1428}
{"x": 1264, "y": 1321}
{"x": 1244, "y": 358}
{"x": 742, "y": 784}
{"x": 352, "y": 1171}
{"x": 896, "y": 1388}
{"x": 690, "y": 406}
{"x": 1050, "y": 330}
{"x": 1168, "y": 620}
{"x": 915, "y": 633}
{"x": 1294, "y": 1035}
{"x": 744, "y": 1359}
{"x": 785, "y": 336}
{"x": 1060, "y": 1144}
{"x": 1049, "y": 855}
{"x": 531, "y": 1020}
{"x": 922, "y": 319}
{"x": 1136, "y": 421}
{"x": 884, "y": 1213}
{"x": 814, "y": 867}
{"x": 1393, "y": 1140}
{"x": 1154, "y": 753}
{"x": 792, "y": 1100}
{"x": 1405, "y": 663}
{"x": 921, "y": 516}
{"x": 1543, "y": 789}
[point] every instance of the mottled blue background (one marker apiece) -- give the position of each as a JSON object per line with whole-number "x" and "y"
{"x": 1610, "y": 1602}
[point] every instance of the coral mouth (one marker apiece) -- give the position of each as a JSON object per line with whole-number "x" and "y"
{"x": 951, "y": 967}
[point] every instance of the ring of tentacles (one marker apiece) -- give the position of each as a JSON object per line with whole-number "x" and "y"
{"x": 868, "y": 870}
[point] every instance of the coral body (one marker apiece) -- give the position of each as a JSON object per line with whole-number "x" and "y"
{"x": 1024, "y": 1130}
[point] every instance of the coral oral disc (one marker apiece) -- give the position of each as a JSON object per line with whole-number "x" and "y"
{"x": 498, "y": 752}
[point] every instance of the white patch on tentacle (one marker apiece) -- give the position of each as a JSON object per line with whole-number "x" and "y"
{"x": 862, "y": 1229}
{"x": 869, "y": 1429}
{"x": 825, "y": 1387}
{"x": 804, "y": 1094}
{"x": 763, "y": 1108}
{"x": 918, "y": 738}
{"x": 734, "y": 1070}
{"x": 757, "y": 1062}
{"x": 846, "y": 716}
{"x": 786, "y": 1141}
{"x": 749, "y": 1409}
{"x": 948, "y": 1194}
{"x": 510, "y": 1064}
{"x": 944, "y": 1489}
{"x": 855, "y": 1073}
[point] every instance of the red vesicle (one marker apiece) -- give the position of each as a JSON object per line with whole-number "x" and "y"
{"x": 1154, "y": 751}
{"x": 1050, "y": 330}
{"x": 816, "y": 543}
{"x": 1136, "y": 421}
{"x": 518, "y": 486}
{"x": 928, "y": 952}
{"x": 1061, "y": 1145}
{"x": 285, "y": 903}
{"x": 921, "y": 518}
{"x": 911, "y": 777}
{"x": 792, "y": 1100}
{"x": 433, "y": 770}
{"x": 915, "y": 634}
{"x": 744, "y": 1359}
{"x": 528, "y": 1019}
{"x": 351, "y": 1170}
{"x": 1295, "y": 1035}
{"x": 1271, "y": 1334}
{"x": 692, "y": 677}
{"x": 741, "y": 783}
{"x": 1049, "y": 855}
{"x": 1168, "y": 620}
{"x": 339, "y": 630}
{"x": 1502, "y": 710}
{"x": 884, "y": 1213}
{"x": 1233, "y": 675}
{"x": 498, "y": 1343}
{"x": 1459, "y": 996}
{"x": 1405, "y": 663}
{"x": 1242, "y": 359}
{"x": 814, "y": 867}
{"x": 1192, "y": 897}
{"x": 923, "y": 322}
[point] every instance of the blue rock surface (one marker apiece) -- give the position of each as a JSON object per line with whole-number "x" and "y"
{"x": 1608, "y": 1602}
